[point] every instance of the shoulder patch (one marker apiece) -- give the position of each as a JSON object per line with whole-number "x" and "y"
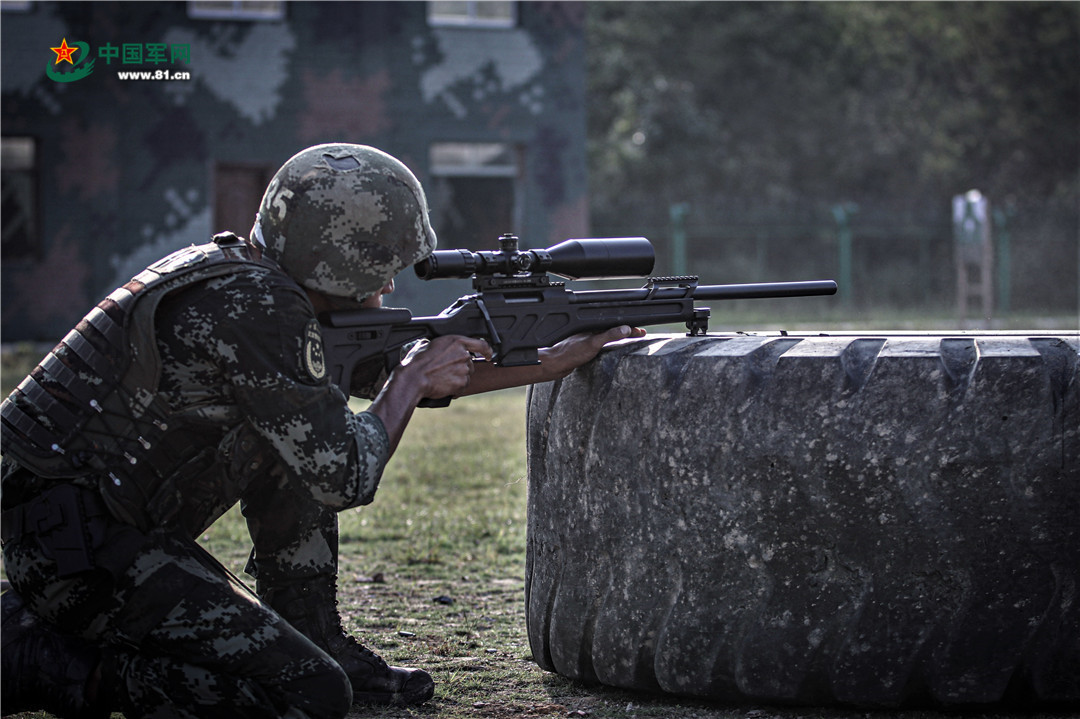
{"x": 313, "y": 359}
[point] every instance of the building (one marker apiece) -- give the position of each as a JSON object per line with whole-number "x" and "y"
{"x": 132, "y": 129}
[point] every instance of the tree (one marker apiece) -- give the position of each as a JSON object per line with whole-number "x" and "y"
{"x": 901, "y": 102}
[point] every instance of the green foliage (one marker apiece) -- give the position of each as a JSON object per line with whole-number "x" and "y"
{"x": 833, "y": 100}
{"x": 764, "y": 117}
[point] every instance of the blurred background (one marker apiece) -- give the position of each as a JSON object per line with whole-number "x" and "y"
{"x": 925, "y": 155}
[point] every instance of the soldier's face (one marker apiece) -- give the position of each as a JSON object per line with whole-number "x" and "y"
{"x": 375, "y": 300}
{"x": 328, "y": 303}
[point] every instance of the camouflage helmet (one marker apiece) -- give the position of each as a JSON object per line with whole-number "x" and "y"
{"x": 344, "y": 219}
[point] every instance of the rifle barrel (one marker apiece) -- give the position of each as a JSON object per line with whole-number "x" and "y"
{"x": 711, "y": 292}
{"x": 765, "y": 289}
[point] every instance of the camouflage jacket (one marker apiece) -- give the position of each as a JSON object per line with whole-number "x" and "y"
{"x": 223, "y": 386}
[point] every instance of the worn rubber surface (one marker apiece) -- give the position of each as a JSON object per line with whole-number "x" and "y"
{"x": 871, "y": 520}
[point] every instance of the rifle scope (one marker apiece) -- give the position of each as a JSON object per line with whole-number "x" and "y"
{"x": 573, "y": 259}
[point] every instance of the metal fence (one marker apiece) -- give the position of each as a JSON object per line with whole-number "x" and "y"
{"x": 885, "y": 258}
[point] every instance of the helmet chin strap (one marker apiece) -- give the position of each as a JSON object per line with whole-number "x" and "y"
{"x": 257, "y": 235}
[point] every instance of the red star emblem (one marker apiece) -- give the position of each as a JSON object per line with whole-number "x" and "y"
{"x": 64, "y": 52}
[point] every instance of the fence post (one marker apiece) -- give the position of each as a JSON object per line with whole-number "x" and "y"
{"x": 679, "y": 211}
{"x": 842, "y": 213}
{"x": 1004, "y": 257}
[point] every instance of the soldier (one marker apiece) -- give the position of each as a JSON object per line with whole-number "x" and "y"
{"x": 198, "y": 384}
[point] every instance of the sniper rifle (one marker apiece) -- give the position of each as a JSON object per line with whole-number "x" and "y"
{"x": 518, "y": 309}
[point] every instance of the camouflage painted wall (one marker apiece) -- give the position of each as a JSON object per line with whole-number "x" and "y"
{"x": 126, "y": 168}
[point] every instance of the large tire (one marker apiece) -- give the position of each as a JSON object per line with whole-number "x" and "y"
{"x": 848, "y": 519}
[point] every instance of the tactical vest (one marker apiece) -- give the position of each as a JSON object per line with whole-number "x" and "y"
{"x": 91, "y": 409}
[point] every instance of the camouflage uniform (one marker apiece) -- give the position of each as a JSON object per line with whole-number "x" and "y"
{"x": 200, "y": 383}
{"x": 251, "y": 416}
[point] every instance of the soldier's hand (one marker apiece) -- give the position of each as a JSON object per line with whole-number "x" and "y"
{"x": 566, "y": 356}
{"x": 555, "y": 362}
{"x": 442, "y": 367}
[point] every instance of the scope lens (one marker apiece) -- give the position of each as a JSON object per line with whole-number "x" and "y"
{"x": 607, "y": 258}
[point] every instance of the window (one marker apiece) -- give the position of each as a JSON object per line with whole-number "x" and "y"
{"x": 472, "y": 13}
{"x": 237, "y": 9}
{"x": 487, "y": 159}
{"x": 474, "y": 192}
{"x": 18, "y": 207}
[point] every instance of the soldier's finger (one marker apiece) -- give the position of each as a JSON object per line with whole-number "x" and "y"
{"x": 478, "y": 346}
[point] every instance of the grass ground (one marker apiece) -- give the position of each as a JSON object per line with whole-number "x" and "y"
{"x": 432, "y": 575}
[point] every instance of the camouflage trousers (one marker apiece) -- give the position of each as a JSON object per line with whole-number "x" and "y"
{"x": 183, "y": 637}
{"x": 294, "y": 538}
